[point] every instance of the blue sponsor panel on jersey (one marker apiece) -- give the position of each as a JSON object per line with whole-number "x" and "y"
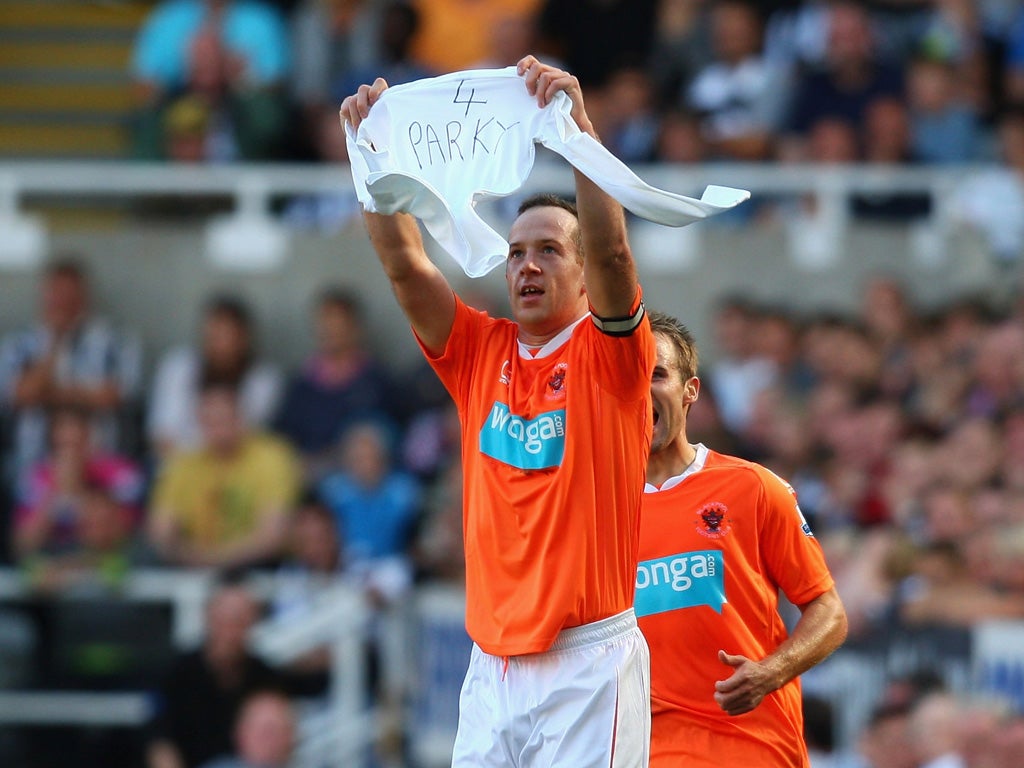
{"x": 537, "y": 443}
{"x": 685, "y": 580}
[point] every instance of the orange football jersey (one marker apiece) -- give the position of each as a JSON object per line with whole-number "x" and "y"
{"x": 554, "y": 450}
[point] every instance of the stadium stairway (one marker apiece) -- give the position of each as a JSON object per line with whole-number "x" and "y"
{"x": 65, "y": 91}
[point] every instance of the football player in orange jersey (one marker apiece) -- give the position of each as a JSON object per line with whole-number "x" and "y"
{"x": 555, "y": 417}
{"x": 719, "y": 538}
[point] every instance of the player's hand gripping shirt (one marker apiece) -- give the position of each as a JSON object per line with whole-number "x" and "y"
{"x": 433, "y": 147}
{"x": 715, "y": 548}
{"x": 554, "y": 450}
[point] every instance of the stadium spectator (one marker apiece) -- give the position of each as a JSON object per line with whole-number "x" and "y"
{"x": 819, "y": 732}
{"x": 681, "y": 46}
{"x": 941, "y": 591}
{"x": 885, "y": 741}
{"x": 455, "y": 34}
{"x": 944, "y": 124}
{"x": 56, "y": 491}
{"x": 226, "y": 353}
{"x": 934, "y": 731}
{"x": 438, "y": 550}
{"x": 338, "y": 45}
{"x": 226, "y": 503}
{"x": 312, "y": 562}
{"x": 740, "y": 95}
{"x": 328, "y": 38}
{"x": 227, "y": 60}
{"x": 796, "y": 33}
{"x": 851, "y": 78}
{"x": 886, "y": 132}
{"x": 886, "y": 142}
{"x": 990, "y": 201}
{"x": 890, "y": 322}
{"x": 738, "y": 372}
{"x": 595, "y": 37}
{"x": 264, "y": 734}
{"x": 198, "y": 702}
{"x": 400, "y": 21}
{"x": 511, "y": 37}
{"x": 104, "y": 553}
{"x": 1013, "y": 85}
{"x": 626, "y": 118}
{"x": 376, "y": 507}
{"x": 679, "y": 138}
{"x": 71, "y": 357}
{"x": 341, "y": 383}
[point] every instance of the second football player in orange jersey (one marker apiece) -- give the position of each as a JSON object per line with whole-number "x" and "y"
{"x": 719, "y": 538}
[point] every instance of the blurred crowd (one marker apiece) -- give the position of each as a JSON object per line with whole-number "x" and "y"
{"x": 879, "y": 81}
{"x": 214, "y": 458}
{"x": 901, "y": 426}
{"x": 905, "y": 83}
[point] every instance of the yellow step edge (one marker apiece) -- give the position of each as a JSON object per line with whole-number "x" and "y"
{"x": 21, "y": 15}
{"x": 45, "y": 140}
{"x": 63, "y": 219}
{"x": 89, "y": 97}
{"x": 73, "y": 54}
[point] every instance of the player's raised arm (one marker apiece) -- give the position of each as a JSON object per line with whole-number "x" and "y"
{"x": 609, "y": 270}
{"x": 421, "y": 289}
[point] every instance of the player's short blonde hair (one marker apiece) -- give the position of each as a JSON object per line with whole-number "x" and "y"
{"x": 681, "y": 338}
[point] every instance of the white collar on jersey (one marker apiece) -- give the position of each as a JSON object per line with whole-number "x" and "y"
{"x": 695, "y": 466}
{"x": 550, "y": 346}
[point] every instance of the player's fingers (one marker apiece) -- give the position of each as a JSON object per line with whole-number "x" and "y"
{"x": 379, "y": 86}
{"x": 363, "y": 101}
{"x": 560, "y": 81}
{"x": 531, "y": 75}
{"x": 550, "y": 82}
{"x": 348, "y": 113}
{"x": 729, "y": 684}
{"x": 730, "y": 659}
{"x": 525, "y": 63}
{"x": 735, "y": 703}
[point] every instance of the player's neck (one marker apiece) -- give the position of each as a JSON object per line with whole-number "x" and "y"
{"x": 670, "y": 461}
{"x": 536, "y": 338}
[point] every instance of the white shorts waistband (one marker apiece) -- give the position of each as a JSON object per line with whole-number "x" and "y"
{"x": 595, "y": 631}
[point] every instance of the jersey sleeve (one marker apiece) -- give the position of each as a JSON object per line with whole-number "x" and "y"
{"x": 623, "y": 352}
{"x": 454, "y": 366}
{"x": 793, "y": 557}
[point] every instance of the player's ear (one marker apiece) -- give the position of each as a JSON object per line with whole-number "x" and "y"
{"x": 691, "y": 390}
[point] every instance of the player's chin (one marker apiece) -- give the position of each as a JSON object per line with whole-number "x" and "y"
{"x": 658, "y": 440}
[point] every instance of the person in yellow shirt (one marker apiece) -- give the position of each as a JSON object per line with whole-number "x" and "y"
{"x": 458, "y": 34}
{"x": 225, "y": 504}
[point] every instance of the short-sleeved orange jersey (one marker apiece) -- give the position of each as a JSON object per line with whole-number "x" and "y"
{"x": 554, "y": 451}
{"x": 715, "y": 550}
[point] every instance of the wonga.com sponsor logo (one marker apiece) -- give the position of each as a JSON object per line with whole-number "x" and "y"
{"x": 684, "y": 580}
{"x": 537, "y": 443}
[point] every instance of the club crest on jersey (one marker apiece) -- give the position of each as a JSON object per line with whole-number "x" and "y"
{"x": 712, "y": 520}
{"x": 555, "y": 387}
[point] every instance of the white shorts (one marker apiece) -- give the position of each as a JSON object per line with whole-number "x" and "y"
{"x": 585, "y": 703}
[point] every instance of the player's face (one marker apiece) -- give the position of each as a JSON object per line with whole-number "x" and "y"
{"x": 671, "y": 396}
{"x": 544, "y": 273}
